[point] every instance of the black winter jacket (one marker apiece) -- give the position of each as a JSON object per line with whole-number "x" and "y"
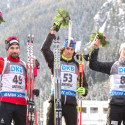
{"x": 105, "y": 67}
{"x": 49, "y": 57}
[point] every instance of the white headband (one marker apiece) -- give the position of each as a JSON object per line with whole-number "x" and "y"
{"x": 13, "y": 41}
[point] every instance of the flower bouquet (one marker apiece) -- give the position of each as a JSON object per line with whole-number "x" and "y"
{"x": 1, "y": 18}
{"x": 62, "y": 19}
{"x": 90, "y": 46}
{"x": 102, "y": 38}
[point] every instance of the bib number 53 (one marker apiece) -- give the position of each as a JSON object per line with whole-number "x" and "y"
{"x": 67, "y": 77}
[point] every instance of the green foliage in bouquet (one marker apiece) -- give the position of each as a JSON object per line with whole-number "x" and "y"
{"x": 102, "y": 38}
{"x": 1, "y": 18}
{"x": 62, "y": 19}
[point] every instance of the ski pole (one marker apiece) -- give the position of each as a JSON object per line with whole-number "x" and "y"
{"x": 31, "y": 111}
{"x": 80, "y": 84}
{"x": 28, "y": 77}
{"x": 69, "y": 32}
{"x": 57, "y": 90}
{"x": 28, "y": 65}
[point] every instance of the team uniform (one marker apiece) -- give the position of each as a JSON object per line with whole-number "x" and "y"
{"x": 12, "y": 91}
{"x": 69, "y": 77}
{"x": 13, "y": 77}
{"x": 116, "y": 71}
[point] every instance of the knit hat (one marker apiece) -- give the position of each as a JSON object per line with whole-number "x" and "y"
{"x": 11, "y": 41}
{"x": 71, "y": 44}
{"x": 121, "y": 47}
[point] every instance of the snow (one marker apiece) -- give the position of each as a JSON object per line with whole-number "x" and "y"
{"x": 96, "y": 17}
{"x": 8, "y": 5}
{"x": 106, "y": 14}
{"x": 102, "y": 29}
{"x": 78, "y": 46}
{"x": 121, "y": 11}
{"x": 119, "y": 1}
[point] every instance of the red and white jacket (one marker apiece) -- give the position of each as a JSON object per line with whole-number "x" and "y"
{"x": 13, "y": 79}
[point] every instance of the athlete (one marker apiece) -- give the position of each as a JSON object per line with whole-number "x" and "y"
{"x": 116, "y": 71}
{"x": 68, "y": 80}
{"x": 12, "y": 85}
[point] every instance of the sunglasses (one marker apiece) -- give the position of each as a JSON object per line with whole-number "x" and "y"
{"x": 71, "y": 41}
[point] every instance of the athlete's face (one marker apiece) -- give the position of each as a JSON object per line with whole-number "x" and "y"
{"x": 122, "y": 54}
{"x": 68, "y": 52}
{"x": 13, "y": 51}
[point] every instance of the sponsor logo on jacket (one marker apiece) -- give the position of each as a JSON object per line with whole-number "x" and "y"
{"x": 67, "y": 68}
{"x": 16, "y": 69}
{"x": 121, "y": 70}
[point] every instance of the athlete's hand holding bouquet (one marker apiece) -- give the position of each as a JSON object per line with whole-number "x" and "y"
{"x": 97, "y": 40}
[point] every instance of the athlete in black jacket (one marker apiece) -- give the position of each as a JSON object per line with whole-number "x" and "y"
{"x": 68, "y": 80}
{"x": 116, "y": 71}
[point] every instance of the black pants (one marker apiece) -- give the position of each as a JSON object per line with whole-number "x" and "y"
{"x": 9, "y": 111}
{"x": 116, "y": 114}
{"x": 68, "y": 111}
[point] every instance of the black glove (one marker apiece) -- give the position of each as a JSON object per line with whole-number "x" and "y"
{"x": 56, "y": 27}
{"x": 37, "y": 64}
{"x": 77, "y": 56}
{"x": 86, "y": 57}
{"x": 86, "y": 92}
{"x": 36, "y": 92}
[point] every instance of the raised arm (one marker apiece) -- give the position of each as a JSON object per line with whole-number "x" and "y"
{"x": 94, "y": 64}
{"x": 45, "y": 49}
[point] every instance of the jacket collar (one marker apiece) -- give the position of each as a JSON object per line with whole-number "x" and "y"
{"x": 66, "y": 59}
{"x": 13, "y": 60}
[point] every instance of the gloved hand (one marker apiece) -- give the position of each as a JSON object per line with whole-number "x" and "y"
{"x": 77, "y": 56}
{"x": 37, "y": 64}
{"x": 86, "y": 57}
{"x": 56, "y": 27}
{"x": 81, "y": 90}
{"x": 36, "y": 92}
